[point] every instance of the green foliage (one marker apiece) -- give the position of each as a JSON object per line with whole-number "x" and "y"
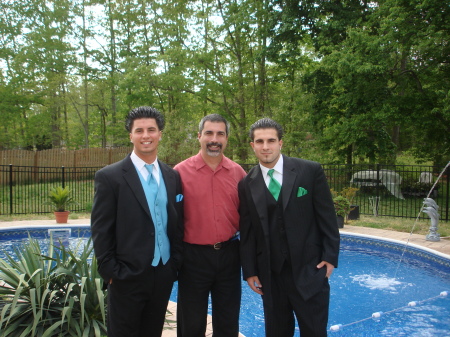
{"x": 60, "y": 198}
{"x": 378, "y": 86}
{"x": 58, "y": 294}
{"x": 346, "y": 79}
{"x": 88, "y": 207}
{"x": 349, "y": 193}
{"x": 407, "y": 158}
{"x": 413, "y": 188}
{"x": 344, "y": 200}
{"x": 341, "y": 205}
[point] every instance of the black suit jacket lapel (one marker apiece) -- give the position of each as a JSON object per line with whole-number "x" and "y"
{"x": 257, "y": 188}
{"x": 289, "y": 176}
{"x": 132, "y": 178}
{"x": 169, "y": 181}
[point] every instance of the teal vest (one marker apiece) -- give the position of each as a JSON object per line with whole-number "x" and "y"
{"x": 158, "y": 211}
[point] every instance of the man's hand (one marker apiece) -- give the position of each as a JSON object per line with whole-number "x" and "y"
{"x": 255, "y": 285}
{"x": 330, "y": 267}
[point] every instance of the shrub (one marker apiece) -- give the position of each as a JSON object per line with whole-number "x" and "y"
{"x": 343, "y": 201}
{"x": 55, "y": 295}
{"x": 410, "y": 187}
{"x": 349, "y": 193}
{"x": 341, "y": 205}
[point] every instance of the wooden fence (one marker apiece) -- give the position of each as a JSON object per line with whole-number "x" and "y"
{"x": 95, "y": 157}
{"x": 23, "y": 160}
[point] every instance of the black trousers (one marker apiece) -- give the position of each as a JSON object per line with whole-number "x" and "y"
{"x": 312, "y": 315}
{"x": 138, "y": 308}
{"x": 207, "y": 271}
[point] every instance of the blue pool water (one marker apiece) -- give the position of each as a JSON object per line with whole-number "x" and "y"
{"x": 373, "y": 276}
{"x": 370, "y": 279}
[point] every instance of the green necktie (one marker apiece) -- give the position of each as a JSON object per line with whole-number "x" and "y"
{"x": 274, "y": 185}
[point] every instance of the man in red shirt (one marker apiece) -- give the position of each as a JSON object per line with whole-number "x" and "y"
{"x": 211, "y": 262}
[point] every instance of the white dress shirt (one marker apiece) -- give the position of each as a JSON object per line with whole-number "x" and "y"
{"x": 140, "y": 166}
{"x": 277, "y": 174}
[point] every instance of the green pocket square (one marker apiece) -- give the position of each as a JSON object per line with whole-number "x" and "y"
{"x": 301, "y": 192}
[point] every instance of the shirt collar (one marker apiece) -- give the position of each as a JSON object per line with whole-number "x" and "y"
{"x": 278, "y": 167}
{"x": 140, "y": 164}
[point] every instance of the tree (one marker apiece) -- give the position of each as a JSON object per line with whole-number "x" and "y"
{"x": 375, "y": 75}
{"x": 362, "y": 80}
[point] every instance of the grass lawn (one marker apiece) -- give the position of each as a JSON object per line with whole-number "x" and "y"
{"x": 420, "y": 226}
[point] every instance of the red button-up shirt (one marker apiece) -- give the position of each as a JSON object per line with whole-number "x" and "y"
{"x": 211, "y": 200}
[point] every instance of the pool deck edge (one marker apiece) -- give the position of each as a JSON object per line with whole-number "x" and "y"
{"x": 442, "y": 246}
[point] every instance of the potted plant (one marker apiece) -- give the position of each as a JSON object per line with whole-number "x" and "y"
{"x": 350, "y": 193}
{"x": 342, "y": 208}
{"x": 60, "y": 199}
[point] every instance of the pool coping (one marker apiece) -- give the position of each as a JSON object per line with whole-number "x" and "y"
{"x": 399, "y": 242}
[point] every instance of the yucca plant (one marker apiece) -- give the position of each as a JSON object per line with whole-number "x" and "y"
{"x": 58, "y": 294}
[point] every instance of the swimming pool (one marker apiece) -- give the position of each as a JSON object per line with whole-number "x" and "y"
{"x": 404, "y": 286}
{"x": 370, "y": 280}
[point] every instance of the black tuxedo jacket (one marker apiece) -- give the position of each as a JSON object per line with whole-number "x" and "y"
{"x": 309, "y": 219}
{"x": 121, "y": 224}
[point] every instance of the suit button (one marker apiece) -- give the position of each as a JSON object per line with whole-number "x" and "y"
{"x": 152, "y": 234}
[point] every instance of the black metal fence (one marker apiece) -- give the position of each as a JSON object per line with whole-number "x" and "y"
{"x": 393, "y": 190}
{"x": 383, "y": 190}
{"x": 25, "y": 189}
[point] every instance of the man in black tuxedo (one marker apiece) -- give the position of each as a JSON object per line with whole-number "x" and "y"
{"x": 137, "y": 230}
{"x": 289, "y": 236}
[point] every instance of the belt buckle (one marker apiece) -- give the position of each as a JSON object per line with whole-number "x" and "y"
{"x": 217, "y": 245}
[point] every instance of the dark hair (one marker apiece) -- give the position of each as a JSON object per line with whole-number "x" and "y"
{"x": 265, "y": 123}
{"x": 213, "y": 118}
{"x": 144, "y": 112}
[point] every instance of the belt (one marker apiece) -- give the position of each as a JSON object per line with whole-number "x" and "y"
{"x": 223, "y": 244}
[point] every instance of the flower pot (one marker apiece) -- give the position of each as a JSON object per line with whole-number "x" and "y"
{"x": 354, "y": 212}
{"x": 340, "y": 221}
{"x": 61, "y": 217}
